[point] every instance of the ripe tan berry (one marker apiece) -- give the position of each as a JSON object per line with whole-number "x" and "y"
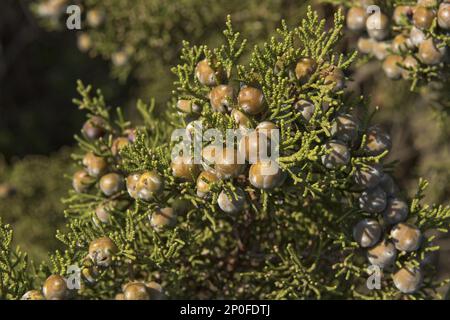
{"x": 430, "y": 53}
{"x": 383, "y": 254}
{"x": 111, "y": 183}
{"x": 33, "y": 295}
{"x": 402, "y": 14}
{"x": 444, "y": 16}
{"x": 396, "y": 211}
{"x": 84, "y": 42}
{"x": 163, "y": 218}
{"x": 408, "y": 64}
{"x": 392, "y": 66}
{"x": 416, "y": 36}
{"x": 251, "y": 100}
{"x": 149, "y": 183}
{"x": 95, "y": 166}
{"x": 103, "y": 211}
{"x": 136, "y": 291}
{"x": 101, "y": 251}
{"x": 94, "y": 128}
{"x": 221, "y": 97}
{"x": 231, "y": 201}
{"x": 187, "y": 106}
{"x": 337, "y": 78}
{"x": 254, "y": 146}
{"x": 265, "y": 174}
{"x": 356, "y": 19}
{"x": 408, "y": 280}
{"x": 365, "y": 45}
{"x": 367, "y": 232}
{"x": 406, "y": 237}
{"x": 81, "y": 181}
{"x": 381, "y": 49}
{"x": 155, "y": 289}
{"x": 204, "y": 181}
{"x": 55, "y": 288}
{"x": 423, "y": 17}
{"x": 401, "y": 43}
{"x": 183, "y": 167}
{"x": 118, "y": 144}
{"x": 304, "y": 69}
{"x": 95, "y": 17}
{"x": 240, "y": 118}
{"x": 120, "y": 58}
{"x": 378, "y": 26}
{"x": 228, "y": 163}
{"x": 268, "y": 128}
{"x": 205, "y": 74}
{"x": 132, "y": 181}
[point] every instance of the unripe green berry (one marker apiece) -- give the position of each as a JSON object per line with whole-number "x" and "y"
{"x": 251, "y": 100}
{"x": 232, "y": 201}
{"x": 373, "y": 200}
{"x": 383, "y": 254}
{"x": 406, "y": 237}
{"x": 408, "y": 280}
{"x": 55, "y": 288}
{"x": 111, "y": 183}
{"x": 367, "y": 232}
{"x": 101, "y": 251}
{"x": 396, "y": 211}
{"x": 163, "y": 218}
{"x": 33, "y": 295}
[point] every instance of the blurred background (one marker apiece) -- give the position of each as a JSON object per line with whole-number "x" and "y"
{"x": 126, "y": 48}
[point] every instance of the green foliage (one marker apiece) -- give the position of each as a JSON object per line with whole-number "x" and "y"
{"x": 33, "y": 205}
{"x": 293, "y": 241}
{"x": 15, "y": 274}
